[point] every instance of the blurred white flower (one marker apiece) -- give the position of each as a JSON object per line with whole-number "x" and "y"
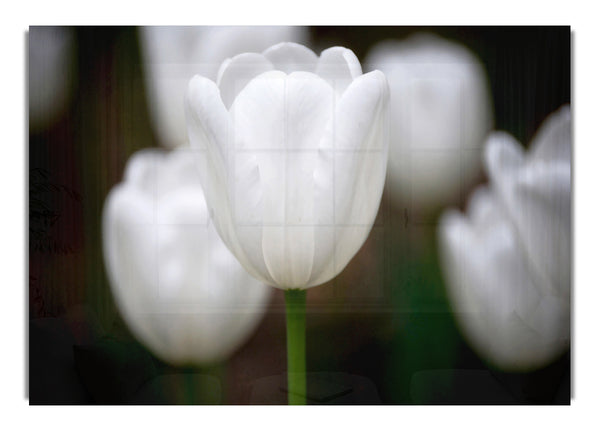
{"x": 296, "y": 156}
{"x": 173, "y": 55}
{"x": 508, "y": 262}
{"x": 51, "y": 58}
{"x": 182, "y": 293}
{"x": 440, "y": 114}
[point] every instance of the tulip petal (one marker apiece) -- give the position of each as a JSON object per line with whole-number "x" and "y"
{"x": 542, "y": 213}
{"x": 237, "y": 72}
{"x": 359, "y": 114}
{"x": 279, "y": 119}
{"x": 282, "y": 112}
{"x": 208, "y": 119}
{"x": 338, "y": 66}
{"x": 537, "y": 195}
{"x": 291, "y": 57}
{"x": 288, "y": 235}
{"x": 502, "y": 153}
{"x": 141, "y": 170}
{"x": 129, "y": 246}
{"x": 185, "y": 162}
{"x": 210, "y": 129}
{"x": 552, "y": 143}
{"x": 499, "y": 305}
{"x": 351, "y": 171}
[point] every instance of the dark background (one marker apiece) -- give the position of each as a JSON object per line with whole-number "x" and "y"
{"x": 383, "y": 326}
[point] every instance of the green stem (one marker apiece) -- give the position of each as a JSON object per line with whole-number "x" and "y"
{"x": 295, "y": 313}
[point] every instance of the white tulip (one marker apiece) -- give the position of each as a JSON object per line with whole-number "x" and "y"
{"x": 173, "y": 55}
{"x": 179, "y": 289}
{"x": 440, "y": 114}
{"x": 296, "y": 149}
{"x": 508, "y": 262}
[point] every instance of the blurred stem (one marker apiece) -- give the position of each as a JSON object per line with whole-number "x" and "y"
{"x": 295, "y": 314}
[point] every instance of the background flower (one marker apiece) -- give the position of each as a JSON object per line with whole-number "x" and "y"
{"x": 173, "y": 55}
{"x": 177, "y": 286}
{"x": 51, "y": 73}
{"x": 441, "y": 111}
{"x": 508, "y": 262}
{"x": 297, "y": 149}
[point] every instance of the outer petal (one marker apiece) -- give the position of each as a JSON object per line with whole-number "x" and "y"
{"x": 291, "y": 57}
{"x": 279, "y": 120}
{"x": 507, "y": 318}
{"x": 338, "y": 66}
{"x": 210, "y": 129}
{"x": 537, "y": 194}
{"x": 176, "y": 284}
{"x": 350, "y": 172}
